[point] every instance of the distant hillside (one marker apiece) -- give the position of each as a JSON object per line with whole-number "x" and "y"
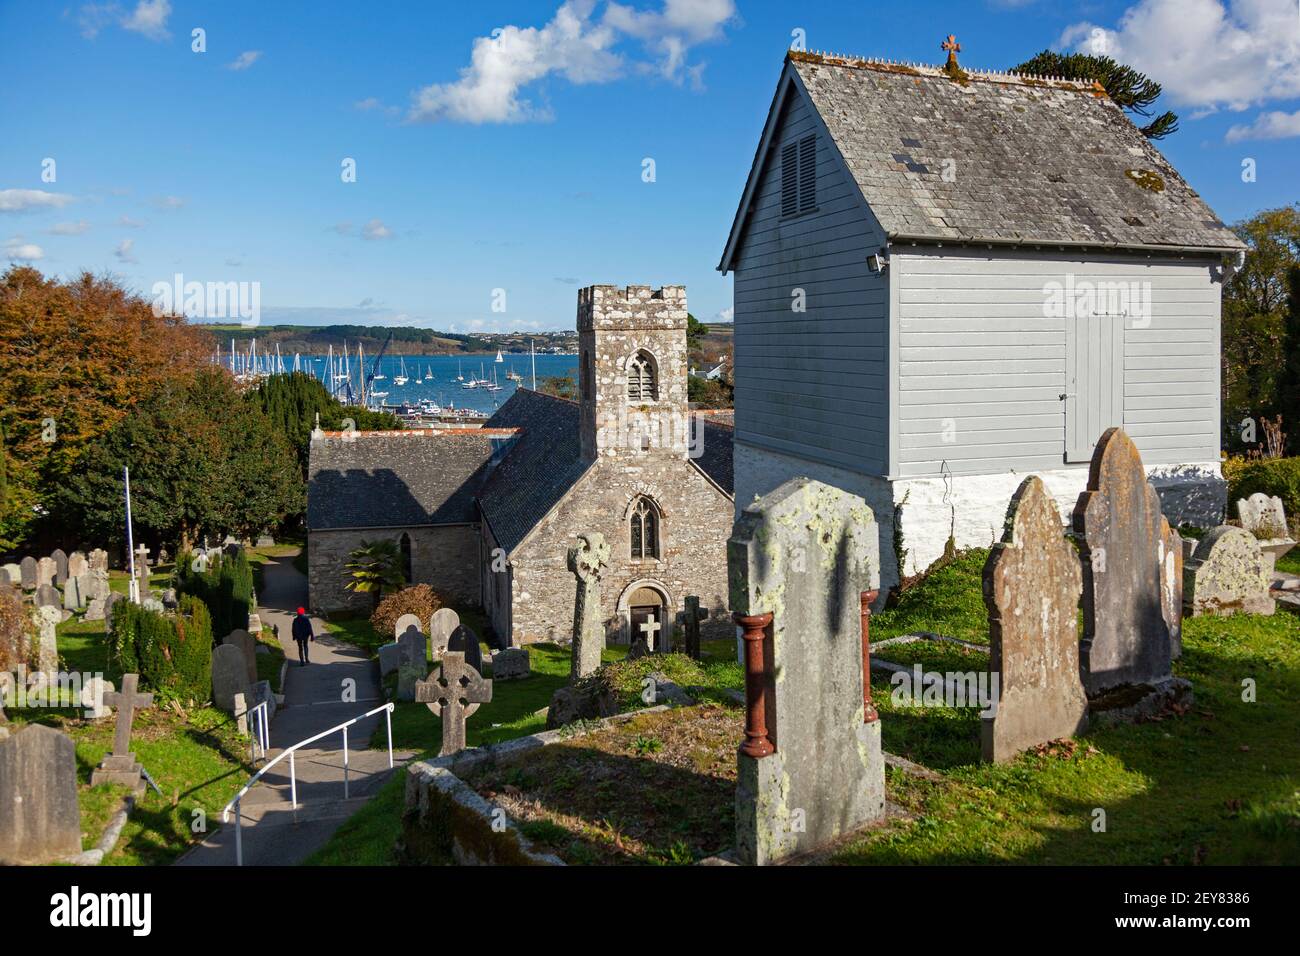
{"x": 317, "y": 339}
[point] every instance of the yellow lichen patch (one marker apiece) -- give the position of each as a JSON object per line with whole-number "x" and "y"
{"x": 1147, "y": 179}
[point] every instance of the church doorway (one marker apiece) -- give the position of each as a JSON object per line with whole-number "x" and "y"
{"x": 646, "y": 615}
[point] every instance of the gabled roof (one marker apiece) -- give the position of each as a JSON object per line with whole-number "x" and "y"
{"x": 399, "y": 479}
{"x": 1029, "y": 160}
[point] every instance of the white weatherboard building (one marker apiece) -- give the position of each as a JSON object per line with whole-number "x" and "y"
{"x": 947, "y": 280}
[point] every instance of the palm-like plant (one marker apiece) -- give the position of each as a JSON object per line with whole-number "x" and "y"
{"x": 375, "y": 568}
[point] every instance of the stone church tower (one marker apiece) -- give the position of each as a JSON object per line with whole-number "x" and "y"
{"x": 632, "y": 371}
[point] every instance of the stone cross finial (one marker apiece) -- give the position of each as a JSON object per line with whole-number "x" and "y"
{"x": 952, "y": 46}
{"x": 453, "y": 692}
{"x": 126, "y": 701}
{"x": 589, "y": 559}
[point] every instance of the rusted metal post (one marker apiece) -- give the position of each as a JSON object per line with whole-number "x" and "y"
{"x": 754, "y": 627}
{"x": 868, "y": 708}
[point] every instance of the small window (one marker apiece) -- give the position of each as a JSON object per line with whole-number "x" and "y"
{"x": 799, "y": 176}
{"x": 405, "y": 544}
{"x": 645, "y": 530}
{"x": 642, "y": 383}
{"x": 584, "y": 373}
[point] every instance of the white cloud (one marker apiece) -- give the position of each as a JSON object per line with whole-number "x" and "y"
{"x": 27, "y": 200}
{"x": 68, "y": 228}
{"x": 244, "y": 60}
{"x": 1206, "y": 53}
{"x": 572, "y": 45}
{"x": 169, "y": 202}
{"x": 149, "y": 18}
{"x": 726, "y": 315}
{"x": 1272, "y": 125}
{"x": 375, "y": 229}
{"x": 130, "y": 223}
{"x": 124, "y": 251}
{"x": 18, "y": 251}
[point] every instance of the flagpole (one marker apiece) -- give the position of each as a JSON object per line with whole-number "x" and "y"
{"x": 133, "y": 589}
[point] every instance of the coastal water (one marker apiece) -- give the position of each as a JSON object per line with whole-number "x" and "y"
{"x": 443, "y": 387}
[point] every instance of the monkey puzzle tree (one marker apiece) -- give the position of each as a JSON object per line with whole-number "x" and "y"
{"x": 1131, "y": 89}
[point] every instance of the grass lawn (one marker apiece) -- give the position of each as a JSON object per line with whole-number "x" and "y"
{"x": 1290, "y": 562}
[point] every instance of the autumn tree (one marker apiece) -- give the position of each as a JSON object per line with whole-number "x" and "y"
{"x": 75, "y": 357}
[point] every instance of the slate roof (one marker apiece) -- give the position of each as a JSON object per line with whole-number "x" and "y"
{"x": 1033, "y": 160}
{"x": 399, "y": 479}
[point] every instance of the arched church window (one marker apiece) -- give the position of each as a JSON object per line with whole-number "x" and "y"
{"x": 645, "y": 529}
{"x": 642, "y": 378}
{"x": 405, "y": 544}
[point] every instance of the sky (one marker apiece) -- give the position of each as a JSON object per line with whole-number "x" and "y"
{"x": 468, "y": 166}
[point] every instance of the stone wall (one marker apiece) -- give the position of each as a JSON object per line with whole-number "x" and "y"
{"x": 696, "y": 522}
{"x": 445, "y": 557}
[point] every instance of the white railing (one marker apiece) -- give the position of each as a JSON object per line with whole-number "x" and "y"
{"x": 293, "y": 777}
{"x": 259, "y": 738}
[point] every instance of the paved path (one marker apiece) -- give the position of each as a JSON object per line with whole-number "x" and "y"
{"x": 273, "y": 833}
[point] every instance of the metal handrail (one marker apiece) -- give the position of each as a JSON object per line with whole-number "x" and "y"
{"x": 293, "y": 779}
{"x": 259, "y": 737}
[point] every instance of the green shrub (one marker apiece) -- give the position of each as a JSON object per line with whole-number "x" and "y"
{"x": 16, "y": 630}
{"x": 172, "y": 652}
{"x": 1278, "y": 477}
{"x": 226, "y": 587}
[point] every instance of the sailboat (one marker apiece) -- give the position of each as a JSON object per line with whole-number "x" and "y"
{"x": 428, "y": 373}
{"x": 514, "y": 376}
{"x": 499, "y": 358}
{"x": 400, "y": 378}
{"x": 460, "y": 377}
{"x": 493, "y": 386}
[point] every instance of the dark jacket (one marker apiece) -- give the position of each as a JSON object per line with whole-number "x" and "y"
{"x": 302, "y": 628}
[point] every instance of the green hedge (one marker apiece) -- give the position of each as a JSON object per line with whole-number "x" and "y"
{"x": 226, "y": 587}
{"x": 1272, "y": 476}
{"x": 172, "y": 653}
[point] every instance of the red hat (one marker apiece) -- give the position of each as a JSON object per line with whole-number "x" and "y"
{"x": 302, "y": 610}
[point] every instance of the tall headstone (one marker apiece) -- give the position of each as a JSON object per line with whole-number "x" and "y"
{"x": 465, "y": 641}
{"x": 74, "y": 592}
{"x": 41, "y": 819}
{"x": 414, "y": 665}
{"x": 453, "y": 692}
{"x": 1118, "y": 525}
{"x": 587, "y": 561}
{"x": 27, "y": 572}
{"x": 811, "y": 768}
{"x": 691, "y": 625}
{"x": 441, "y": 625}
{"x": 241, "y": 639}
{"x": 1032, "y": 582}
{"x": 47, "y": 595}
{"x": 77, "y": 564}
{"x": 229, "y": 676}
{"x": 47, "y": 618}
{"x": 1226, "y": 575}
{"x": 99, "y": 560}
{"x": 45, "y": 571}
{"x": 1170, "y": 557}
{"x": 121, "y": 766}
{"x": 60, "y": 560}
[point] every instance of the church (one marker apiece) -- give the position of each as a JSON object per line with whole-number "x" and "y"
{"x": 486, "y": 516}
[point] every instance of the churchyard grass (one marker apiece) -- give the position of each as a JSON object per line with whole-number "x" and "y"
{"x": 1290, "y": 562}
{"x": 942, "y": 601}
{"x": 368, "y": 837}
{"x": 270, "y": 664}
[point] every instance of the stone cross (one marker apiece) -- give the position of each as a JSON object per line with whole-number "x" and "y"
{"x": 650, "y": 630}
{"x": 587, "y": 561}
{"x": 1032, "y": 582}
{"x": 950, "y": 45}
{"x": 453, "y": 692}
{"x": 120, "y": 766}
{"x": 142, "y": 565}
{"x": 691, "y": 623}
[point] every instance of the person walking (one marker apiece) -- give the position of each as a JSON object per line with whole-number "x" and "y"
{"x": 302, "y": 634}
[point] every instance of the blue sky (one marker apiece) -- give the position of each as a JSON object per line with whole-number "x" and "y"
{"x": 513, "y": 161}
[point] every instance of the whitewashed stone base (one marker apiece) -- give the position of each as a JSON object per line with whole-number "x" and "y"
{"x": 975, "y": 506}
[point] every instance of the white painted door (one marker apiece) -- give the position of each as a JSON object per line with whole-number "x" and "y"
{"x": 1094, "y": 381}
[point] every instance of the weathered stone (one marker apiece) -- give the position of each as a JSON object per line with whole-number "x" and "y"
{"x": 120, "y": 766}
{"x": 1170, "y": 556}
{"x": 1226, "y": 575}
{"x": 255, "y": 624}
{"x": 265, "y": 541}
{"x": 587, "y": 561}
{"x": 465, "y": 641}
{"x": 27, "y": 573}
{"x": 1265, "y": 518}
{"x": 511, "y": 663}
{"x": 691, "y": 624}
{"x": 97, "y": 584}
{"x": 453, "y": 692}
{"x": 241, "y": 639}
{"x": 441, "y": 626}
{"x": 390, "y": 658}
{"x": 114, "y": 598}
{"x": 229, "y": 676}
{"x": 14, "y": 573}
{"x": 99, "y": 560}
{"x": 804, "y": 554}
{"x": 47, "y": 595}
{"x": 1118, "y": 526}
{"x": 74, "y": 592}
{"x": 60, "y": 560}
{"x": 1032, "y": 583}
{"x": 45, "y": 571}
{"x": 47, "y": 618}
{"x": 77, "y": 564}
{"x": 41, "y": 821}
{"x": 95, "y": 609}
{"x": 92, "y": 697}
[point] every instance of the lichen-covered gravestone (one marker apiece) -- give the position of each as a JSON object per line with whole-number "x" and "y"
{"x": 241, "y": 639}
{"x": 1170, "y": 557}
{"x": 1226, "y": 575}
{"x": 1265, "y": 518}
{"x": 414, "y": 665}
{"x": 229, "y": 676}
{"x": 587, "y": 561}
{"x": 47, "y": 595}
{"x": 441, "y": 625}
{"x": 40, "y": 820}
{"x": 77, "y": 564}
{"x": 804, "y": 554}
{"x": 1127, "y": 651}
{"x": 510, "y": 663}
{"x": 1032, "y": 582}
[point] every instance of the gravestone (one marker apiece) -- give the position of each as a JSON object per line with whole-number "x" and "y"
{"x": 441, "y": 625}
{"x": 811, "y": 768}
{"x": 1265, "y": 518}
{"x": 691, "y": 625}
{"x": 114, "y": 598}
{"x": 414, "y": 665}
{"x": 142, "y": 568}
{"x": 97, "y": 584}
{"x": 99, "y": 560}
{"x": 121, "y": 766}
{"x": 15, "y": 574}
{"x": 1032, "y": 583}
{"x": 95, "y": 609}
{"x": 511, "y": 663}
{"x": 453, "y": 692}
{"x": 1118, "y": 526}
{"x": 265, "y": 541}
{"x": 47, "y": 595}
{"x": 587, "y": 561}
{"x": 1226, "y": 575}
{"x": 77, "y": 564}
{"x": 45, "y": 571}
{"x": 60, "y": 560}
{"x": 390, "y": 658}
{"x": 638, "y": 650}
{"x": 407, "y": 622}
{"x": 465, "y": 641}
{"x": 92, "y": 697}
{"x": 74, "y": 592}
{"x": 254, "y": 623}
{"x": 27, "y": 573}
{"x": 241, "y": 639}
{"x": 1170, "y": 556}
{"x": 47, "y": 619}
{"x": 229, "y": 676}
{"x": 41, "y": 820}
